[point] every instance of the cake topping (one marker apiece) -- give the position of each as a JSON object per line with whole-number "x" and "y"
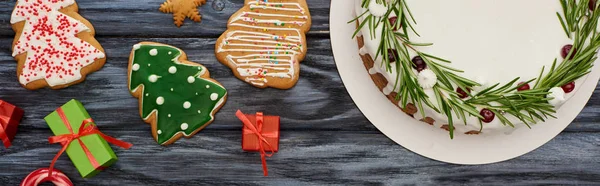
{"x": 392, "y": 55}
{"x": 410, "y": 109}
{"x": 523, "y": 87}
{"x": 393, "y": 21}
{"x": 461, "y": 93}
{"x": 418, "y": 63}
{"x": 569, "y": 87}
{"x": 558, "y": 96}
{"x": 488, "y": 115}
{"x": 427, "y": 79}
{"x": 428, "y": 120}
{"x": 566, "y": 50}
{"x": 377, "y": 9}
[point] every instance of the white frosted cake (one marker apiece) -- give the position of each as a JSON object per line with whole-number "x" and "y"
{"x": 491, "y": 42}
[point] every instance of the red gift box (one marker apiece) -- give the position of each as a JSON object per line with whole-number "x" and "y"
{"x": 269, "y": 130}
{"x": 10, "y": 117}
{"x": 260, "y": 133}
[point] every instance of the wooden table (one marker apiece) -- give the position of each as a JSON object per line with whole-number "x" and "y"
{"x": 324, "y": 137}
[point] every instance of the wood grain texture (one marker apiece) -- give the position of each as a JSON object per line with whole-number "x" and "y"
{"x": 141, "y": 18}
{"x": 325, "y": 139}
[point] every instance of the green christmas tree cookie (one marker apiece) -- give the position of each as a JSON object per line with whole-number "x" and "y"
{"x": 177, "y": 97}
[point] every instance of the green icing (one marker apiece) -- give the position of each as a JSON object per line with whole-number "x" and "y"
{"x": 201, "y": 96}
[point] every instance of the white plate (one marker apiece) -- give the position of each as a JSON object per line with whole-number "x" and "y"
{"x": 430, "y": 141}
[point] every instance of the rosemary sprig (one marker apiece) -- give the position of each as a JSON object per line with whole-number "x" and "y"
{"x": 579, "y": 21}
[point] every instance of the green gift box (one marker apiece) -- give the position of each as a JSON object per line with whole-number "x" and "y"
{"x": 97, "y": 147}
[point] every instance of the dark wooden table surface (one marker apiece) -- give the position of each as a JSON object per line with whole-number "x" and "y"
{"x": 324, "y": 137}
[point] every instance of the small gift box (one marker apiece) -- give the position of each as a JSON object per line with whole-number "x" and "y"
{"x": 10, "y": 117}
{"x": 260, "y": 133}
{"x": 86, "y": 146}
{"x": 268, "y": 128}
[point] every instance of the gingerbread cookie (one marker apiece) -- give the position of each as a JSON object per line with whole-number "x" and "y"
{"x": 265, "y": 42}
{"x": 54, "y": 46}
{"x": 182, "y": 9}
{"x": 177, "y": 97}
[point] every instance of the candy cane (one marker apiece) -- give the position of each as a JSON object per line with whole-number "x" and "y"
{"x": 41, "y": 175}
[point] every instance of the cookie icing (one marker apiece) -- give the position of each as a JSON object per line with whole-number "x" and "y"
{"x": 183, "y": 101}
{"x": 49, "y": 37}
{"x": 255, "y": 51}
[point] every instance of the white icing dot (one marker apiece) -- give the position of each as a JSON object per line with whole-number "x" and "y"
{"x": 207, "y": 86}
{"x": 135, "y": 67}
{"x": 149, "y": 64}
{"x": 169, "y": 115}
{"x": 170, "y": 52}
{"x": 136, "y": 46}
{"x": 159, "y": 132}
{"x": 377, "y": 9}
{"x": 191, "y": 79}
{"x": 187, "y": 105}
{"x": 558, "y": 96}
{"x": 214, "y": 96}
{"x": 184, "y": 126}
{"x": 160, "y": 100}
{"x": 147, "y": 94}
{"x": 172, "y": 69}
{"x": 171, "y": 89}
{"x": 427, "y": 79}
{"x": 153, "y": 78}
{"x": 153, "y": 52}
{"x": 199, "y": 111}
{"x": 196, "y": 93}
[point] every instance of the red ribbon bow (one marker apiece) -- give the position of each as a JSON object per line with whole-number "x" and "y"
{"x": 250, "y": 128}
{"x": 4, "y": 120}
{"x": 87, "y": 128}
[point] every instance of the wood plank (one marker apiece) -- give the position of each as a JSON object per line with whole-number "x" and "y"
{"x": 315, "y": 157}
{"x": 318, "y": 102}
{"x": 120, "y": 18}
{"x": 325, "y": 139}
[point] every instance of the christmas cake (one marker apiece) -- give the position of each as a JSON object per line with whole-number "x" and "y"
{"x": 483, "y": 70}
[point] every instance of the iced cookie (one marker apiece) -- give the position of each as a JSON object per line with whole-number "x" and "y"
{"x": 182, "y": 9}
{"x": 176, "y": 97}
{"x": 265, "y": 42}
{"x": 54, "y": 46}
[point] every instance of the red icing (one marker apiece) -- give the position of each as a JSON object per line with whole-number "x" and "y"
{"x": 50, "y": 40}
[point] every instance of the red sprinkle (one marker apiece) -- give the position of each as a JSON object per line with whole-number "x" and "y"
{"x": 62, "y": 49}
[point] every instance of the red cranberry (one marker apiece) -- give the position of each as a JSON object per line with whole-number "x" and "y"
{"x": 393, "y": 23}
{"x": 524, "y": 86}
{"x": 392, "y": 55}
{"x": 419, "y": 64}
{"x": 566, "y": 50}
{"x": 592, "y": 5}
{"x": 488, "y": 115}
{"x": 461, "y": 93}
{"x": 569, "y": 87}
